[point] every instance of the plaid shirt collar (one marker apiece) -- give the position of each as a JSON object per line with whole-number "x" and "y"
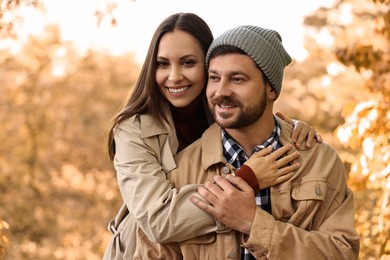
{"x": 232, "y": 151}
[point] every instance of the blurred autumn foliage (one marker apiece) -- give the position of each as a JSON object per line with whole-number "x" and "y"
{"x": 344, "y": 87}
{"x": 58, "y": 189}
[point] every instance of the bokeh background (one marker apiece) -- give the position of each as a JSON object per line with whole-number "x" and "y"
{"x": 66, "y": 67}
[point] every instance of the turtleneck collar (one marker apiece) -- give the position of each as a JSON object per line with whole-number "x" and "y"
{"x": 190, "y": 122}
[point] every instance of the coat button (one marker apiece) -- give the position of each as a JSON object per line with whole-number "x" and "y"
{"x": 232, "y": 255}
{"x": 318, "y": 191}
{"x": 225, "y": 170}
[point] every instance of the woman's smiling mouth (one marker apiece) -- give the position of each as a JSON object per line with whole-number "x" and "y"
{"x": 177, "y": 90}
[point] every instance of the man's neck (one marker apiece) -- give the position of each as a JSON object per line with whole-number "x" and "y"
{"x": 254, "y": 134}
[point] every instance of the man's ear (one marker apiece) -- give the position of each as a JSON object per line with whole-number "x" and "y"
{"x": 270, "y": 91}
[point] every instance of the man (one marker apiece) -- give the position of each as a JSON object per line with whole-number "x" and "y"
{"x": 309, "y": 216}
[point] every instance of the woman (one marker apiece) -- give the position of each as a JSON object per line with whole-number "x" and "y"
{"x": 165, "y": 113}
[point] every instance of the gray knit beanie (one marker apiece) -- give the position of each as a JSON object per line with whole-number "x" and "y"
{"x": 264, "y": 46}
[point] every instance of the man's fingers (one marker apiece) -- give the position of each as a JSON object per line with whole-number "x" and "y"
{"x": 201, "y": 204}
{"x": 224, "y": 184}
{"x": 209, "y": 192}
{"x": 239, "y": 183}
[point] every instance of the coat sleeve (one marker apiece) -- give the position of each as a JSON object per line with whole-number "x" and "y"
{"x": 164, "y": 213}
{"x": 332, "y": 233}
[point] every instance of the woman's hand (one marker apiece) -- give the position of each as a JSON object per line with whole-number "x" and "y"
{"x": 303, "y": 134}
{"x": 270, "y": 170}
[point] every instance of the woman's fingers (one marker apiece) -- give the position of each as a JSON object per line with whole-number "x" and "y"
{"x": 283, "y": 178}
{"x": 318, "y": 138}
{"x": 285, "y": 160}
{"x": 264, "y": 151}
{"x": 301, "y": 133}
{"x": 297, "y": 128}
{"x": 285, "y": 118}
{"x": 288, "y": 169}
{"x": 279, "y": 152}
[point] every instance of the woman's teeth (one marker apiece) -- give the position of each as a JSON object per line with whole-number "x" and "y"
{"x": 177, "y": 90}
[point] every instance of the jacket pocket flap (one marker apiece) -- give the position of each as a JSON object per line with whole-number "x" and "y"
{"x": 204, "y": 239}
{"x": 313, "y": 190}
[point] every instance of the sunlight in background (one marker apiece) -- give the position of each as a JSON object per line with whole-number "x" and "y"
{"x": 137, "y": 20}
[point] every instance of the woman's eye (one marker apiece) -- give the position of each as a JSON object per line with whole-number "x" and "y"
{"x": 188, "y": 62}
{"x": 162, "y": 64}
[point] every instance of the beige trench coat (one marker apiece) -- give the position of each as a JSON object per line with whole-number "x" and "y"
{"x": 144, "y": 154}
{"x": 312, "y": 213}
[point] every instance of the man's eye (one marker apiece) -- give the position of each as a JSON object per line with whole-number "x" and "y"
{"x": 213, "y": 78}
{"x": 237, "y": 80}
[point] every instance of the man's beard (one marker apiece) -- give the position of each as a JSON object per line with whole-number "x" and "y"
{"x": 246, "y": 116}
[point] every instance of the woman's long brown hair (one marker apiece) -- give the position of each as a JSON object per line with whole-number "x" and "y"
{"x": 146, "y": 97}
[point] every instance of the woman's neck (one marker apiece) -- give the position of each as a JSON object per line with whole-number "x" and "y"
{"x": 190, "y": 122}
{"x": 189, "y": 112}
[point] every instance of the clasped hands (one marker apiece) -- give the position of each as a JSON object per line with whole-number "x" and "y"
{"x": 232, "y": 201}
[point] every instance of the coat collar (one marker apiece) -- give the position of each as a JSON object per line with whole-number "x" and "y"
{"x": 212, "y": 146}
{"x": 212, "y": 143}
{"x": 150, "y": 127}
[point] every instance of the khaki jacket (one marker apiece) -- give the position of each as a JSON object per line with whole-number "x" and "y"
{"x": 312, "y": 213}
{"x": 144, "y": 154}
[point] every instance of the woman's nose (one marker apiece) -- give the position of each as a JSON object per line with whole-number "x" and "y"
{"x": 175, "y": 74}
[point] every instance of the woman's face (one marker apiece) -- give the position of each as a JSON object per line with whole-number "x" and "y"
{"x": 180, "y": 70}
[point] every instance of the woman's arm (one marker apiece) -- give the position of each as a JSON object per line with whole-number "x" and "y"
{"x": 163, "y": 212}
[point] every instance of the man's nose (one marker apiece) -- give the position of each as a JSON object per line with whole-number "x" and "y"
{"x": 223, "y": 88}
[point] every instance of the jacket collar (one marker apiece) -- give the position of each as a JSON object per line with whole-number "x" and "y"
{"x": 212, "y": 143}
{"x": 149, "y": 126}
{"x": 212, "y": 146}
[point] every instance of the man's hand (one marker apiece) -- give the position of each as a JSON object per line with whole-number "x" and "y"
{"x": 230, "y": 200}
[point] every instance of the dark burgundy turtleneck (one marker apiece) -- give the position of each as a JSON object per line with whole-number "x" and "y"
{"x": 190, "y": 122}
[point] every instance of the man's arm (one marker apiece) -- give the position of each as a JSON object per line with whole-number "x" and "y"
{"x": 335, "y": 237}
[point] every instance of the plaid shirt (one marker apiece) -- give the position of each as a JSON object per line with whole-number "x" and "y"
{"x": 236, "y": 156}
